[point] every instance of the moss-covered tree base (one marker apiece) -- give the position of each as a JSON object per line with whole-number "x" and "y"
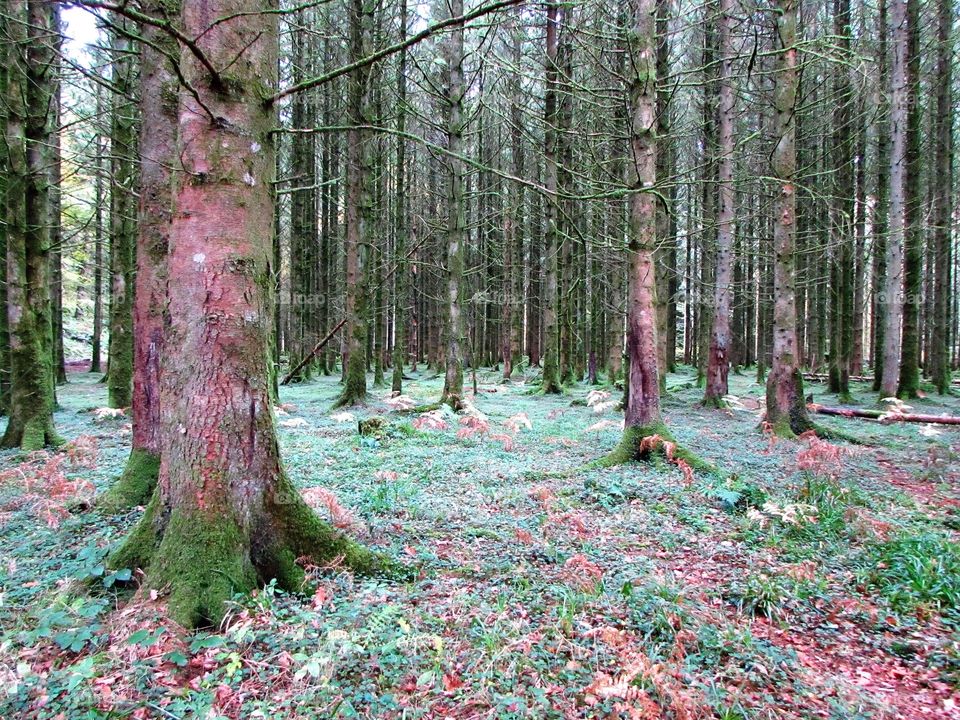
{"x": 632, "y": 448}
{"x": 354, "y": 383}
{"x": 135, "y": 485}
{"x": 201, "y": 558}
{"x": 36, "y": 433}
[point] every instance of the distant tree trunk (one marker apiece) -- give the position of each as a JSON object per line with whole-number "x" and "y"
{"x": 786, "y": 411}
{"x": 123, "y": 220}
{"x": 157, "y": 151}
{"x": 304, "y": 230}
{"x": 893, "y": 289}
{"x": 913, "y": 231}
{"x": 29, "y": 105}
{"x": 943, "y": 199}
{"x": 97, "y": 352}
{"x": 456, "y": 220}
{"x": 357, "y": 201}
{"x": 718, "y": 364}
{"x": 224, "y": 517}
{"x": 512, "y": 316}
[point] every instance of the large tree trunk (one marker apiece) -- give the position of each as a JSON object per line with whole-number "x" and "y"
{"x": 224, "y": 516}
{"x": 456, "y": 219}
{"x": 718, "y": 362}
{"x": 29, "y": 100}
{"x": 786, "y": 412}
{"x": 123, "y": 219}
{"x": 893, "y": 289}
{"x": 157, "y": 150}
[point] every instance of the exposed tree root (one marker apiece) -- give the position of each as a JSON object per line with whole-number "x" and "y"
{"x": 201, "y": 559}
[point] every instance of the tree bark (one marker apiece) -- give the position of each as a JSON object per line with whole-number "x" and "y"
{"x": 123, "y": 218}
{"x": 718, "y": 363}
{"x": 159, "y": 109}
{"x": 943, "y": 199}
{"x": 893, "y": 289}
{"x": 29, "y": 99}
{"x": 224, "y": 516}
{"x": 456, "y": 220}
{"x": 786, "y": 412}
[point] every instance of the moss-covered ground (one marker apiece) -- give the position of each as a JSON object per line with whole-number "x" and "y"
{"x": 806, "y": 579}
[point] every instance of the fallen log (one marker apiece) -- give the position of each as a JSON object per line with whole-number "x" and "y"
{"x": 316, "y": 348}
{"x": 884, "y": 417}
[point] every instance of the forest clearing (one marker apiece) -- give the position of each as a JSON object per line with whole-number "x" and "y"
{"x": 479, "y": 359}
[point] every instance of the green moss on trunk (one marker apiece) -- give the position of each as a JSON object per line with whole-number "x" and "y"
{"x": 354, "y": 382}
{"x": 202, "y": 558}
{"x": 135, "y": 485}
{"x": 630, "y": 449}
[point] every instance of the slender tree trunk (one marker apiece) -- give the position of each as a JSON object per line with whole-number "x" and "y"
{"x": 401, "y": 306}
{"x": 123, "y": 219}
{"x": 943, "y": 199}
{"x": 642, "y": 415}
{"x": 893, "y": 288}
{"x": 913, "y": 231}
{"x": 29, "y": 101}
{"x": 551, "y": 359}
{"x": 157, "y": 151}
{"x": 882, "y": 205}
{"x": 718, "y": 364}
{"x": 456, "y": 220}
{"x": 786, "y": 411}
{"x": 357, "y": 213}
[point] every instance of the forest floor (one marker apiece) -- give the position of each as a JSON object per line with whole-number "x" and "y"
{"x": 811, "y": 580}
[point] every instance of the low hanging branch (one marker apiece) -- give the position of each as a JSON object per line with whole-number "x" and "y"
{"x": 316, "y": 348}
{"x": 884, "y": 417}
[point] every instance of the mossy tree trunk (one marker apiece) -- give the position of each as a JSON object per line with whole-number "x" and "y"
{"x": 159, "y": 106}
{"x": 642, "y": 413}
{"x": 402, "y": 312}
{"x": 881, "y": 207}
{"x": 224, "y": 516}
{"x": 551, "y": 331}
{"x": 842, "y": 214}
{"x": 913, "y": 240}
{"x": 718, "y": 361}
{"x": 455, "y": 93}
{"x": 123, "y": 217}
{"x": 29, "y": 101}
{"x": 354, "y": 343}
{"x": 786, "y": 411}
